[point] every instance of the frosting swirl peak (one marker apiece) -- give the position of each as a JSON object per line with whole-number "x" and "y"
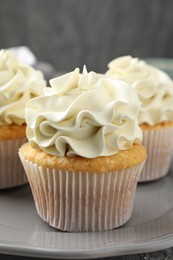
{"x": 84, "y": 114}
{"x": 153, "y": 86}
{"x": 18, "y": 84}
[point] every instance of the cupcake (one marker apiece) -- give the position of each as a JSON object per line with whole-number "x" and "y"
{"x": 155, "y": 91}
{"x": 18, "y": 84}
{"x": 84, "y": 156}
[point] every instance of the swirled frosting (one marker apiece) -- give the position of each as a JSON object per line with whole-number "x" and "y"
{"x": 84, "y": 114}
{"x": 18, "y": 84}
{"x": 153, "y": 86}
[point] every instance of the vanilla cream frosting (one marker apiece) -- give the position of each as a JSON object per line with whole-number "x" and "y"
{"x": 18, "y": 84}
{"x": 84, "y": 114}
{"x": 153, "y": 86}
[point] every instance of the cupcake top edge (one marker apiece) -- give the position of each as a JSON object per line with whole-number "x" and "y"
{"x": 152, "y": 85}
{"x": 119, "y": 161}
{"x": 85, "y": 114}
{"x": 18, "y": 84}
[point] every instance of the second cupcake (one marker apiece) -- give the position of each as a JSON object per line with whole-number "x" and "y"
{"x": 155, "y": 91}
{"x": 18, "y": 84}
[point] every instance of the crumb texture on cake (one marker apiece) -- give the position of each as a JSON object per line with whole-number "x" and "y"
{"x": 158, "y": 126}
{"x": 12, "y": 131}
{"x": 121, "y": 160}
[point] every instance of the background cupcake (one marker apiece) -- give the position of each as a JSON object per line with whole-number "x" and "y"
{"x": 155, "y": 90}
{"x": 18, "y": 84}
{"x": 83, "y": 158}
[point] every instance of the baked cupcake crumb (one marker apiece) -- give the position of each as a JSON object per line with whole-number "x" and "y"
{"x": 157, "y": 126}
{"x": 12, "y": 132}
{"x": 122, "y": 160}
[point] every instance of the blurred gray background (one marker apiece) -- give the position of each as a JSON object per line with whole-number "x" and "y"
{"x": 70, "y": 33}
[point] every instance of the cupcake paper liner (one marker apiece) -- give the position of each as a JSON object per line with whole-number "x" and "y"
{"x": 11, "y": 170}
{"x": 159, "y": 146}
{"x": 82, "y": 201}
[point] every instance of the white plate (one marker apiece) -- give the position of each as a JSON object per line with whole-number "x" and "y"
{"x": 22, "y": 232}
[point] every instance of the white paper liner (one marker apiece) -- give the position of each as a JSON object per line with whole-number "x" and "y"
{"x": 159, "y": 146}
{"x": 11, "y": 170}
{"x": 82, "y": 201}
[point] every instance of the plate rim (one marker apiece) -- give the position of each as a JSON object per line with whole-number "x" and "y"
{"x": 150, "y": 245}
